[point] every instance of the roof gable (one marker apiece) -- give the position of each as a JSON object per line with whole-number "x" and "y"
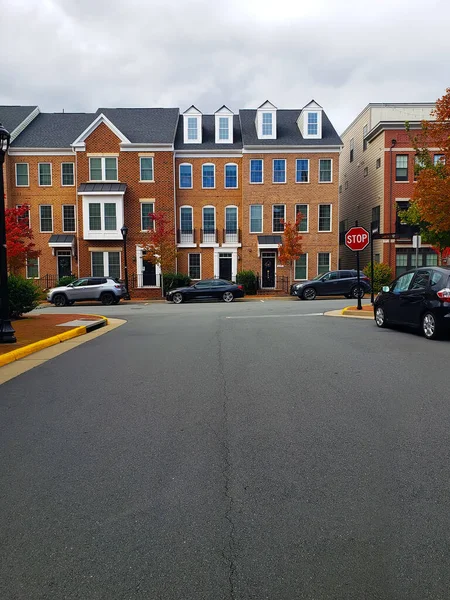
{"x": 16, "y": 118}
{"x": 192, "y": 110}
{"x": 80, "y": 141}
{"x": 223, "y": 110}
{"x": 267, "y": 106}
{"x": 312, "y": 106}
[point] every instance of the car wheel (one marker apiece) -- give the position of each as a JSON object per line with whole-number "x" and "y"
{"x": 357, "y": 292}
{"x": 107, "y": 298}
{"x": 177, "y": 298}
{"x": 380, "y": 317}
{"x": 228, "y": 297}
{"x": 60, "y": 300}
{"x": 429, "y": 326}
{"x": 309, "y": 293}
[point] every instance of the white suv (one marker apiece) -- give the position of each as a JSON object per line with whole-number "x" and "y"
{"x": 105, "y": 289}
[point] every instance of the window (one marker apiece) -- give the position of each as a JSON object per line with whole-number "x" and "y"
{"x": 146, "y": 163}
{"x": 279, "y": 170}
{"x": 439, "y": 158}
{"x": 303, "y": 210}
{"x": 376, "y": 216}
{"x": 192, "y": 128}
{"x": 323, "y": 262}
{"x": 22, "y": 175}
{"x": 302, "y": 170}
{"x": 194, "y": 266}
{"x": 346, "y": 185}
{"x": 352, "y": 149}
{"x": 312, "y": 123}
{"x": 224, "y": 128}
{"x": 267, "y": 123}
{"x": 366, "y": 171}
{"x": 401, "y": 263}
{"x": 25, "y": 218}
{"x": 365, "y": 129}
{"x": 256, "y": 218}
{"x": 256, "y": 170}
{"x": 231, "y": 176}
{"x": 300, "y": 267}
{"x": 106, "y": 264}
{"x": 46, "y": 218}
{"x": 68, "y": 218}
{"x": 209, "y": 220}
{"x": 231, "y": 222}
{"x": 186, "y": 176}
{"x": 110, "y": 216}
{"x": 95, "y": 219}
{"x": 418, "y": 166}
{"x": 186, "y": 225}
{"x": 32, "y": 268}
{"x": 45, "y": 174}
{"x": 278, "y": 217}
{"x": 377, "y": 258}
{"x": 324, "y": 217}
{"x": 340, "y": 189}
{"x": 103, "y": 168}
{"x": 401, "y": 167}
{"x": 421, "y": 280}
{"x": 378, "y": 163}
{"x": 146, "y": 221}
{"x": 67, "y": 174}
{"x": 431, "y": 259}
{"x": 325, "y": 175}
{"x": 208, "y": 176}
{"x": 402, "y": 283}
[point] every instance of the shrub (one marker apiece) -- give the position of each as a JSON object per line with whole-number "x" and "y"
{"x": 24, "y": 295}
{"x": 174, "y": 280}
{"x": 66, "y": 280}
{"x": 248, "y": 280}
{"x": 382, "y": 275}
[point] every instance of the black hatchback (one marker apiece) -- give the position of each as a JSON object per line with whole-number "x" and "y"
{"x": 418, "y": 298}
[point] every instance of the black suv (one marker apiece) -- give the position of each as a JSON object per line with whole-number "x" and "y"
{"x": 418, "y": 298}
{"x": 333, "y": 283}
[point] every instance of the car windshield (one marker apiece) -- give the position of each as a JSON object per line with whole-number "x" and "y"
{"x": 318, "y": 277}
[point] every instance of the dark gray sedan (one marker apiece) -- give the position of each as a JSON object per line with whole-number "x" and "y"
{"x": 207, "y": 288}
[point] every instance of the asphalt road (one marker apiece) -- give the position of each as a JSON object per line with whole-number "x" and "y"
{"x": 253, "y": 451}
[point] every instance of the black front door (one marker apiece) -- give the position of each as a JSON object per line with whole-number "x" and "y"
{"x": 268, "y": 270}
{"x": 225, "y": 266}
{"x": 148, "y": 273}
{"x": 64, "y": 265}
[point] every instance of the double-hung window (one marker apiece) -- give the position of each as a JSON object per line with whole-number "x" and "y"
{"x": 324, "y": 217}
{"x": 231, "y": 176}
{"x": 146, "y": 166}
{"x": 25, "y": 217}
{"x": 110, "y": 216}
{"x": 301, "y": 267}
{"x": 279, "y": 170}
{"x": 69, "y": 218}
{"x": 147, "y": 208}
{"x": 106, "y": 264}
{"x": 95, "y": 216}
{"x": 256, "y": 218}
{"x": 267, "y": 123}
{"x": 67, "y": 174}
{"x": 224, "y": 128}
{"x": 278, "y": 217}
{"x": 208, "y": 176}
{"x": 302, "y": 170}
{"x": 192, "y": 128}
{"x": 186, "y": 176}
{"x": 22, "y": 175}
{"x": 46, "y": 218}
{"x": 103, "y": 168}
{"x": 45, "y": 174}
{"x": 209, "y": 224}
{"x": 186, "y": 225}
{"x": 302, "y": 209}
{"x": 323, "y": 262}
{"x": 256, "y": 170}
{"x": 312, "y": 123}
{"x": 401, "y": 167}
{"x": 32, "y": 268}
{"x": 231, "y": 227}
{"x": 195, "y": 266}
{"x": 325, "y": 170}
{"x": 438, "y": 158}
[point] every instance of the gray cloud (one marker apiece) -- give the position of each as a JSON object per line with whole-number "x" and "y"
{"x": 81, "y": 54}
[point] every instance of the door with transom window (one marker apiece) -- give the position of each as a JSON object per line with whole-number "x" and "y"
{"x": 64, "y": 261}
{"x": 225, "y": 266}
{"x": 268, "y": 269}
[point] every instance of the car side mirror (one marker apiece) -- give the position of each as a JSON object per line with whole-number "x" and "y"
{"x": 70, "y": 285}
{"x": 385, "y": 288}
{"x": 195, "y": 285}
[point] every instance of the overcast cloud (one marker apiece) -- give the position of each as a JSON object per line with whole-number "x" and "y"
{"x": 83, "y": 54}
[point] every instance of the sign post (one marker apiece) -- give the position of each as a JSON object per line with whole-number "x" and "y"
{"x": 417, "y": 243}
{"x": 356, "y": 239}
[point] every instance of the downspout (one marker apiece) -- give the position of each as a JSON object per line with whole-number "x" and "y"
{"x": 76, "y": 209}
{"x": 393, "y": 142}
{"x": 175, "y": 206}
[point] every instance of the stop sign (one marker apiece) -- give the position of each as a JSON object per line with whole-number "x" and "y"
{"x": 357, "y": 238}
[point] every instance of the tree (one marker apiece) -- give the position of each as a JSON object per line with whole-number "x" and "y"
{"x": 291, "y": 247}
{"x": 160, "y": 247}
{"x": 19, "y": 237}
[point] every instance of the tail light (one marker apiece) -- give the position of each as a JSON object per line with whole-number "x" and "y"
{"x": 240, "y": 287}
{"x": 365, "y": 278}
{"x": 444, "y": 295}
{"x": 118, "y": 287}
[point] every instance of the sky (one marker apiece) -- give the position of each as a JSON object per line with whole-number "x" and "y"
{"x": 79, "y": 55}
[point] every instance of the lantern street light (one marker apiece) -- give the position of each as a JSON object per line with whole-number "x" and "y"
{"x": 124, "y": 232}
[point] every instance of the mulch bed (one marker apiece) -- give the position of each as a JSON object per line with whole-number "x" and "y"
{"x": 38, "y": 327}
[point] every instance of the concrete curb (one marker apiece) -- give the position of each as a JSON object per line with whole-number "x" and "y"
{"x": 20, "y": 353}
{"x": 348, "y": 313}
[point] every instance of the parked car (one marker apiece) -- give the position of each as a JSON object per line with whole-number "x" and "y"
{"x": 207, "y": 288}
{"x": 418, "y": 298}
{"x": 333, "y": 283}
{"x": 105, "y": 289}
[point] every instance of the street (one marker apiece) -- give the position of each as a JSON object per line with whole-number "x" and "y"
{"x": 250, "y": 451}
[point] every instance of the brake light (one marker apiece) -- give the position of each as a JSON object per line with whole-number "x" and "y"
{"x": 119, "y": 287}
{"x": 240, "y": 287}
{"x": 365, "y": 278}
{"x": 444, "y": 295}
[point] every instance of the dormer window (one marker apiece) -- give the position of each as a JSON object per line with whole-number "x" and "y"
{"x": 267, "y": 124}
{"x": 312, "y": 123}
{"x": 224, "y": 128}
{"x": 224, "y": 125}
{"x": 266, "y": 121}
{"x": 192, "y": 126}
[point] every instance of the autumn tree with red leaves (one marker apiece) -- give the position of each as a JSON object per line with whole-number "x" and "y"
{"x": 160, "y": 247}
{"x": 19, "y": 237}
{"x": 290, "y": 248}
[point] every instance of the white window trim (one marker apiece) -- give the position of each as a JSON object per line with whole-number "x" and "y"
{"x": 103, "y": 234}
{"x": 250, "y": 172}
{"x": 250, "y": 218}
{"x": 39, "y": 269}
{"x": 225, "y": 176}
{"x": 74, "y": 216}
{"x": 103, "y": 163}
{"x": 236, "y": 243}
{"x": 229, "y": 139}
{"x": 140, "y": 270}
{"x": 331, "y": 217}
{"x": 296, "y": 170}
{"x": 318, "y": 135}
{"x": 307, "y": 215}
{"x": 273, "y": 171}
{"x": 214, "y": 169}
{"x": 62, "y": 178}
{"x": 187, "y": 244}
{"x": 28, "y": 175}
{"x": 267, "y": 136}
{"x": 140, "y": 209}
{"x": 200, "y": 265}
{"x": 307, "y": 266}
{"x": 106, "y": 263}
{"x": 234, "y": 260}
{"x": 140, "y": 169}
{"x": 284, "y": 218}
{"x": 40, "y": 219}
{"x": 329, "y": 262}
{"x": 198, "y": 139}
{"x": 215, "y": 219}
{"x": 192, "y": 176}
{"x": 39, "y": 174}
{"x": 331, "y": 171}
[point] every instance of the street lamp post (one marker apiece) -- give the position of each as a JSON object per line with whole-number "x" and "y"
{"x": 124, "y": 232}
{"x": 6, "y": 331}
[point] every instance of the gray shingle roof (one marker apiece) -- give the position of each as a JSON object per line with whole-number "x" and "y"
{"x": 102, "y": 187}
{"x": 209, "y": 136}
{"x": 288, "y": 133}
{"x": 61, "y": 239}
{"x": 269, "y": 239}
{"x": 144, "y": 125}
{"x": 12, "y": 116}
{"x": 53, "y": 130}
